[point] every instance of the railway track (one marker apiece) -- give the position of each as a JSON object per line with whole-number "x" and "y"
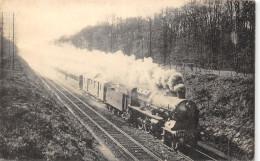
{"x": 186, "y": 151}
{"x": 132, "y": 149}
{"x": 129, "y": 147}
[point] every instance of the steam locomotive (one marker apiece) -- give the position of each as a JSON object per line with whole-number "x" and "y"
{"x": 168, "y": 116}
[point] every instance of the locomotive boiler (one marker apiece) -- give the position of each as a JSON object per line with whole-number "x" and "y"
{"x": 172, "y": 119}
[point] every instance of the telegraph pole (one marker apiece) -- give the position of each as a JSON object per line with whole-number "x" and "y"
{"x": 9, "y": 38}
{"x": 150, "y": 37}
{"x": 13, "y": 41}
{"x": 2, "y": 49}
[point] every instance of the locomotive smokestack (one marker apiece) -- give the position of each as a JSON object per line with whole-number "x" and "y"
{"x": 180, "y": 90}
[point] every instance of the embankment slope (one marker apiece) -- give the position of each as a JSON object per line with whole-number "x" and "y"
{"x": 33, "y": 125}
{"x": 226, "y": 107}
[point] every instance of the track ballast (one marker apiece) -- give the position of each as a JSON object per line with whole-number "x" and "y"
{"x": 130, "y": 148}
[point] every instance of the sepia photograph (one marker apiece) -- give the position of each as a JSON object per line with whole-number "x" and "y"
{"x": 123, "y": 80}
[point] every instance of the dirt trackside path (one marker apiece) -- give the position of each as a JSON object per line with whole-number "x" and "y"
{"x": 33, "y": 125}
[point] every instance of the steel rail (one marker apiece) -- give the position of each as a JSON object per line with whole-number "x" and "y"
{"x": 73, "y": 113}
{"x": 180, "y": 153}
{"x": 103, "y": 130}
{"x": 122, "y": 132}
{"x": 204, "y": 154}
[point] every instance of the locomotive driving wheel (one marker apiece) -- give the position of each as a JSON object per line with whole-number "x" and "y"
{"x": 123, "y": 115}
{"x": 113, "y": 111}
{"x": 147, "y": 126}
{"x": 110, "y": 108}
{"x": 175, "y": 145}
{"x": 140, "y": 123}
{"x": 127, "y": 115}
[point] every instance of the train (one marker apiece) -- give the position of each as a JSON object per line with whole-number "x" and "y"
{"x": 168, "y": 116}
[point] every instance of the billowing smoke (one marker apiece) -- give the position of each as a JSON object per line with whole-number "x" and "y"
{"x": 114, "y": 67}
{"x": 120, "y": 69}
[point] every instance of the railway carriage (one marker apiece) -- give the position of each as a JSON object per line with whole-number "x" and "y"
{"x": 101, "y": 88}
{"x": 96, "y": 87}
{"x": 92, "y": 87}
{"x": 75, "y": 80}
{"x": 61, "y": 74}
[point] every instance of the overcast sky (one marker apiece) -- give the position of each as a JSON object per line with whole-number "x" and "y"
{"x": 41, "y": 20}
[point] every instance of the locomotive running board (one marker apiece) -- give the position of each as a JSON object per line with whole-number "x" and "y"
{"x": 148, "y": 113}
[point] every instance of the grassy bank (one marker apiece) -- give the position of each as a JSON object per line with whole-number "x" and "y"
{"x": 33, "y": 125}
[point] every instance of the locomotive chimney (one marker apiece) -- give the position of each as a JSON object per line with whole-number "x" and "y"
{"x": 180, "y": 90}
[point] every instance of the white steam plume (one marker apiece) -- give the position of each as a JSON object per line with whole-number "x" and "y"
{"x": 117, "y": 68}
